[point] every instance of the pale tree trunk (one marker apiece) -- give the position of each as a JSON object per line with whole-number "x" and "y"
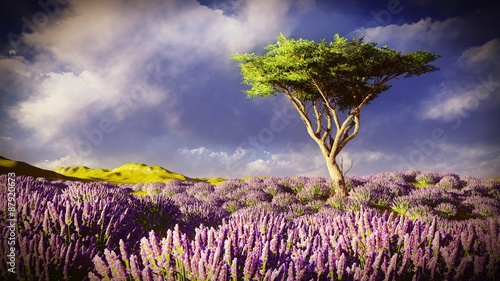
{"x": 337, "y": 177}
{"x": 330, "y": 146}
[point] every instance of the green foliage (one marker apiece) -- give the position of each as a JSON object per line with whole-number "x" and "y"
{"x": 232, "y": 205}
{"x": 361, "y": 194}
{"x": 382, "y": 201}
{"x": 345, "y": 71}
{"x": 314, "y": 192}
{"x": 354, "y": 205}
{"x": 446, "y": 210}
{"x": 424, "y": 182}
{"x": 337, "y": 202}
{"x": 315, "y": 205}
{"x": 299, "y": 209}
{"x": 401, "y": 205}
{"x": 420, "y": 212}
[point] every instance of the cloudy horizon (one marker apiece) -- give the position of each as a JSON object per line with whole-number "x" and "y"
{"x": 104, "y": 83}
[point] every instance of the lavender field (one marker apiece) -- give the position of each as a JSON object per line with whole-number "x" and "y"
{"x": 392, "y": 226}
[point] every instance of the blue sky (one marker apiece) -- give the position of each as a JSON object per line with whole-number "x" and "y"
{"x": 103, "y": 83}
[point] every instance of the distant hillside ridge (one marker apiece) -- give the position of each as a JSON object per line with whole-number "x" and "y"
{"x": 129, "y": 173}
{"x": 24, "y": 169}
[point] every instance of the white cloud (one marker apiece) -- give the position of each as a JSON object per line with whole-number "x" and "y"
{"x": 486, "y": 54}
{"x": 361, "y": 162}
{"x": 195, "y": 151}
{"x": 202, "y": 153}
{"x": 409, "y": 37}
{"x": 458, "y": 98}
{"x": 67, "y": 100}
{"x": 303, "y": 160}
{"x": 16, "y": 65}
{"x": 93, "y": 58}
{"x": 364, "y": 156}
{"x": 475, "y": 160}
{"x": 62, "y": 98}
{"x": 65, "y": 161}
{"x": 454, "y": 101}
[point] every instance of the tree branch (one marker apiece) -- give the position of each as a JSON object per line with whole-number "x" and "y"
{"x": 335, "y": 115}
{"x": 299, "y": 105}
{"x": 328, "y": 110}
{"x": 375, "y": 87}
{"x": 342, "y": 166}
{"x": 346, "y": 132}
{"x": 351, "y": 136}
{"x": 318, "y": 119}
{"x": 342, "y": 137}
{"x": 334, "y": 150}
{"x": 328, "y": 129}
{"x": 336, "y": 119}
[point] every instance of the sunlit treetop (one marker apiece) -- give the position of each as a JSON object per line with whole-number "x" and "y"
{"x": 348, "y": 73}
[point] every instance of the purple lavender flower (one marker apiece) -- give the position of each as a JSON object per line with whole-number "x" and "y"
{"x": 101, "y": 268}
{"x": 263, "y": 243}
{"x": 446, "y": 210}
{"x": 157, "y": 213}
{"x": 428, "y": 178}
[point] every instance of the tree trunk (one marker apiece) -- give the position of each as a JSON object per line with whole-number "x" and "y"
{"x": 337, "y": 177}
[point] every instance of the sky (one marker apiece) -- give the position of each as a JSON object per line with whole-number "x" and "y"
{"x": 103, "y": 83}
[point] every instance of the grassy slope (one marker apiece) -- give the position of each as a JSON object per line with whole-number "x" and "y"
{"x": 22, "y": 168}
{"x": 129, "y": 173}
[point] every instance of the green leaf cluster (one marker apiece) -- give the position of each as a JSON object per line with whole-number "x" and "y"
{"x": 345, "y": 73}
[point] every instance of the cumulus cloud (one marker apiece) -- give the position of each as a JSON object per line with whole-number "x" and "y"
{"x": 487, "y": 53}
{"x": 14, "y": 65}
{"x": 455, "y": 101}
{"x": 411, "y": 36}
{"x": 202, "y": 153}
{"x": 482, "y": 60}
{"x": 474, "y": 160}
{"x": 66, "y": 95}
{"x": 458, "y": 98}
{"x": 218, "y": 163}
{"x": 121, "y": 61}
{"x": 364, "y": 156}
{"x": 293, "y": 160}
{"x": 363, "y": 161}
{"x": 65, "y": 161}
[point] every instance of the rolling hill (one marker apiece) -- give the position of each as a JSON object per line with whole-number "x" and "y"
{"x": 127, "y": 173}
{"x": 25, "y": 169}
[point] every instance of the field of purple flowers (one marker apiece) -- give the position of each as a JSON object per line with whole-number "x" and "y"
{"x": 392, "y": 226}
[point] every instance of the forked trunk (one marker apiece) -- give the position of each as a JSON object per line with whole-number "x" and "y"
{"x": 337, "y": 177}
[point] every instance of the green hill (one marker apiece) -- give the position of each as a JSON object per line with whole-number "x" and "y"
{"x": 25, "y": 169}
{"x": 127, "y": 173}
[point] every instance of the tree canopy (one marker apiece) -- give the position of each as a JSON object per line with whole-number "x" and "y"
{"x": 348, "y": 73}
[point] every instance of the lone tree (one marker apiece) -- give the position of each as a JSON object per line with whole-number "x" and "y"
{"x": 328, "y": 83}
